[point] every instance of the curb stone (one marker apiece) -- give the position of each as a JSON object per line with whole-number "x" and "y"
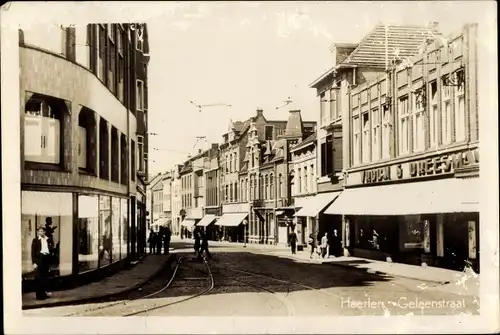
{"x": 79, "y": 301}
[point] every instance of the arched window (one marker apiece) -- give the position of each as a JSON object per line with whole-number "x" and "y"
{"x": 271, "y": 187}
{"x": 306, "y": 178}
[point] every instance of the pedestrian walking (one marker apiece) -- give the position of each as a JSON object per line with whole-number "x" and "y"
{"x": 204, "y": 246}
{"x": 40, "y": 256}
{"x": 293, "y": 241}
{"x": 151, "y": 240}
{"x": 337, "y": 243}
{"x": 324, "y": 246}
{"x": 166, "y": 240}
{"x": 197, "y": 243}
{"x": 157, "y": 239}
{"x": 310, "y": 242}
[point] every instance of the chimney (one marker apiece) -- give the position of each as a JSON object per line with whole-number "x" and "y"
{"x": 215, "y": 146}
{"x": 433, "y": 25}
{"x": 199, "y": 151}
{"x": 294, "y": 126}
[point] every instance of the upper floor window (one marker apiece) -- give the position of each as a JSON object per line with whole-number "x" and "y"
{"x": 376, "y": 134}
{"x": 271, "y": 187}
{"x": 140, "y": 153}
{"x": 313, "y": 181}
{"x": 231, "y": 163}
{"x": 306, "y": 177}
{"x": 231, "y": 192}
{"x": 356, "y": 145}
{"x": 299, "y": 181}
{"x": 433, "y": 115}
{"x": 140, "y": 95}
{"x": 327, "y": 156}
{"x": 266, "y": 189}
{"x": 446, "y": 111}
{"x": 460, "y": 131}
{"x": 333, "y": 104}
{"x": 42, "y": 131}
{"x": 280, "y": 185}
{"x": 366, "y": 137}
{"x": 386, "y": 133}
{"x": 418, "y": 121}
{"x": 404, "y": 129}
{"x": 101, "y": 51}
{"x": 234, "y": 162}
{"x": 323, "y": 108}
{"x": 269, "y": 132}
{"x": 139, "y": 41}
{"x": 235, "y": 191}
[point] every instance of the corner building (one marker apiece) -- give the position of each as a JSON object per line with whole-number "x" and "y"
{"x": 84, "y": 146}
{"x": 412, "y": 173}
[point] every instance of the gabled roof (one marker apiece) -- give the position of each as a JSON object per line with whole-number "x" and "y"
{"x": 402, "y": 42}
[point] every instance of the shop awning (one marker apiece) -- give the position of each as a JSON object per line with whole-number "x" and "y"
{"x": 278, "y": 213}
{"x": 161, "y": 222}
{"x": 206, "y": 220}
{"x": 428, "y": 197}
{"x": 317, "y": 204}
{"x": 188, "y": 223}
{"x": 47, "y": 203}
{"x": 231, "y": 219}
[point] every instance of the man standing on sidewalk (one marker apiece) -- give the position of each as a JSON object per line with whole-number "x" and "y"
{"x": 40, "y": 256}
{"x": 293, "y": 241}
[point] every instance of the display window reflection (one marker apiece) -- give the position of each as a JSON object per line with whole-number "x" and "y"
{"x": 54, "y": 212}
{"x": 115, "y": 229}
{"x": 105, "y": 240}
{"x": 124, "y": 228}
{"x": 88, "y": 233}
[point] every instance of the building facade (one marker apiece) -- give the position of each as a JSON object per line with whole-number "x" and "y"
{"x": 167, "y": 199}
{"x": 413, "y": 145}
{"x": 176, "y": 200}
{"x": 353, "y": 65}
{"x": 304, "y": 187}
{"x": 152, "y": 198}
{"x": 80, "y": 144}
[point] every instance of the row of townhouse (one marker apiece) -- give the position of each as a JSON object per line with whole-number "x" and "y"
{"x": 397, "y": 148}
{"x": 239, "y": 190}
{"x": 391, "y": 170}
{"x": 83, "y": 103}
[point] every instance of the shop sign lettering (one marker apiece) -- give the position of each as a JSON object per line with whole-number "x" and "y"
{"x": 376, "y": 175}
{"x": 444, "y": 163}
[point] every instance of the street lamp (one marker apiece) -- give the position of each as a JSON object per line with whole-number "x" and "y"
{"x": 245, "y": 223}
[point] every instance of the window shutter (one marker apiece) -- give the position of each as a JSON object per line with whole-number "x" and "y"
{"x": 337, "y": 153}
{"x": 329, "y": 154}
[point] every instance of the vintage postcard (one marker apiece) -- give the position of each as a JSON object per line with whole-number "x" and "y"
{"x": 250, "y": 167}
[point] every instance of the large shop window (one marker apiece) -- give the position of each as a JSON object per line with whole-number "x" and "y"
{"x": 105, "y": 238}
{"x": 124, "y": 208}
{"x": 54, "y": 211}
{"x": 43, "y": 129}
{"x": 88, "y": 234}
{"x": 413, "y": 233}
{"x": 375, "y": 233}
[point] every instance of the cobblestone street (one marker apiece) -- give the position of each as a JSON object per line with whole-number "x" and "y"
{"x": 254, "y": 282}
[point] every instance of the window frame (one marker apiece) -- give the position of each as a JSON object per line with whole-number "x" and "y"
{"x": 139, "y": 90}
{"x": 356, "y": 133}
{"x": 376, "y": 134}
{"x": 403, "y": 116}
{"x": 140, "y": 154}
{"x": 418, "y": 111}
{"x": 446, "y": 111}
{"x": 459, "y": 95}
{"x": 433, "y": 114}
{"x": 366, "y": 137}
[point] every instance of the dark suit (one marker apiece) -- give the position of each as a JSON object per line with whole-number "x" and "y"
{"x": 42, "y": 262}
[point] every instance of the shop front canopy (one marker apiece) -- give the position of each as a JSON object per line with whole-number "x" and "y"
{"x": 206, "y": 220}
{"x": 427, "y": 197}
{"x": 161, "y": 222}
{"x": 231, "y": 219}
{"x": 188, "y": 223}
{"x": 54, "y": 204}
{"x": 317, "y": 204}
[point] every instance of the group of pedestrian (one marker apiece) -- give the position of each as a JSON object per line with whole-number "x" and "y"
{"x": 201, "y": 244}
{"x": 159, "y": 240}
{"x": 325, "y": 245}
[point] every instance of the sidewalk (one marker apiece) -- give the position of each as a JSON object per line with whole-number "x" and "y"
{"x": 121, "y": 282}
{"x": 448, "y": 280}
{"x": 451, "y": 281}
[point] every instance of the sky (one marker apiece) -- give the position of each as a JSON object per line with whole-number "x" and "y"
{"x": 249, "y": 55}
